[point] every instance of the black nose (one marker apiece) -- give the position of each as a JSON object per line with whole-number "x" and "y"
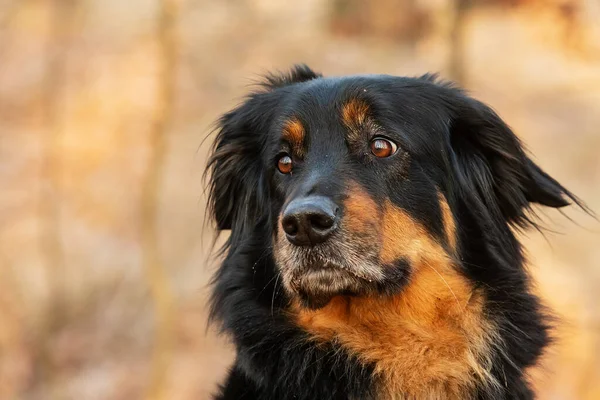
{"x": 309, "y": 220}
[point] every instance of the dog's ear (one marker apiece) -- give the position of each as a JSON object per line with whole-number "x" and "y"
{"x": 238, "y": 194}
{"x": 236, "y": 178}
{"x": 491, "y": 162}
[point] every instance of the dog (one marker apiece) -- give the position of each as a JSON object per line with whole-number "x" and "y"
{"x": 372, "y": 252}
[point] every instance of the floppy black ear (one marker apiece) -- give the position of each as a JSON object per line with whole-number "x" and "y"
{"x": 236, "y": 178}
{"x": 238, "y": 194}
{"x": 491, "y": 161}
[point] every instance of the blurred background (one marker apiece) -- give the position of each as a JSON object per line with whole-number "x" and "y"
{"x": 104, "y": 105}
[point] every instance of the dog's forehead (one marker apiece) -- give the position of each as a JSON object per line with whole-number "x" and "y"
{"x": 328, "y": 114}
{"x": 325, "y": 108}
{"x": 327, "y": 92}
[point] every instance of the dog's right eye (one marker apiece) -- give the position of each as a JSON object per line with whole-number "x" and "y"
{"x": 382, "y": 147}
{"x": 284, "y": 164}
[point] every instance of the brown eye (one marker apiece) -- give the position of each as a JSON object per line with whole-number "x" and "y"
{"x": 285, "y": 164}
{"x": 382, "y": 148}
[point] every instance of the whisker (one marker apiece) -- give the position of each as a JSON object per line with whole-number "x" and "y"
{"x": 274, "y": 291}
{"x": 267, "y": 284}
{"x": 447, "y": 285}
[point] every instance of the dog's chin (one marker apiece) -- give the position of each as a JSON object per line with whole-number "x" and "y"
{"x": 316, "y": 287}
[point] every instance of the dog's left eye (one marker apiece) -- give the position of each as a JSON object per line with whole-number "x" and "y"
{"x": 284, "y": 164}
{"x": 382, "y": 148}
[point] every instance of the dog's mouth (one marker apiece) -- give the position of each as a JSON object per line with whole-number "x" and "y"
{"x": 317, "y": 286}
{"x": 340, "y": 267}
{"x": 318, "y": 282}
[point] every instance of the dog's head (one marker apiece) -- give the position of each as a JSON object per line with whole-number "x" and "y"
{"x": 359, "y": 181}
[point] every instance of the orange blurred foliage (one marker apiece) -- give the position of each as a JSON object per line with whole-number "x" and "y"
{"x": 80, "y": 89}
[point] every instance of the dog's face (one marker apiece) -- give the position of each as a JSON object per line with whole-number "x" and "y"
{"x": 357, "y": 198}
{"x": 362, "y": 180}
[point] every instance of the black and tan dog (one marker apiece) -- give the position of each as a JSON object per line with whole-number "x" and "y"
{"x": 372, "y": 253}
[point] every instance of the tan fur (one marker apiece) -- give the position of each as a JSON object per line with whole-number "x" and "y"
{"x": 448, "y": 220}
{"x": 293, "y": 133}
{"x": 404, "y": 237}
{"x": 355, "y": 114}
{"x": 361, "y": 213}
{"x": 430, "y": 341}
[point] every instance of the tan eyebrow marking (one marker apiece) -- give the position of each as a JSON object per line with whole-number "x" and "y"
{"x": 355, "y": 113}
{"x": 293, "y": 132}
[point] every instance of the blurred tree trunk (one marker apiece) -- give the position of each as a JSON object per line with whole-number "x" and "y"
{"x": 156, "y": 275}
{"x": 60, "y": 23}
{"x": 54, "y": 80}
{"x": 456, "y": 66}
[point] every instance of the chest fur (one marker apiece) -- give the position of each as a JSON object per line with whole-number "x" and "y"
{"x": 430, "y": 341}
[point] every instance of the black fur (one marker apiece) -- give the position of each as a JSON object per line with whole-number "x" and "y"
{"x": 456, "y": 144}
